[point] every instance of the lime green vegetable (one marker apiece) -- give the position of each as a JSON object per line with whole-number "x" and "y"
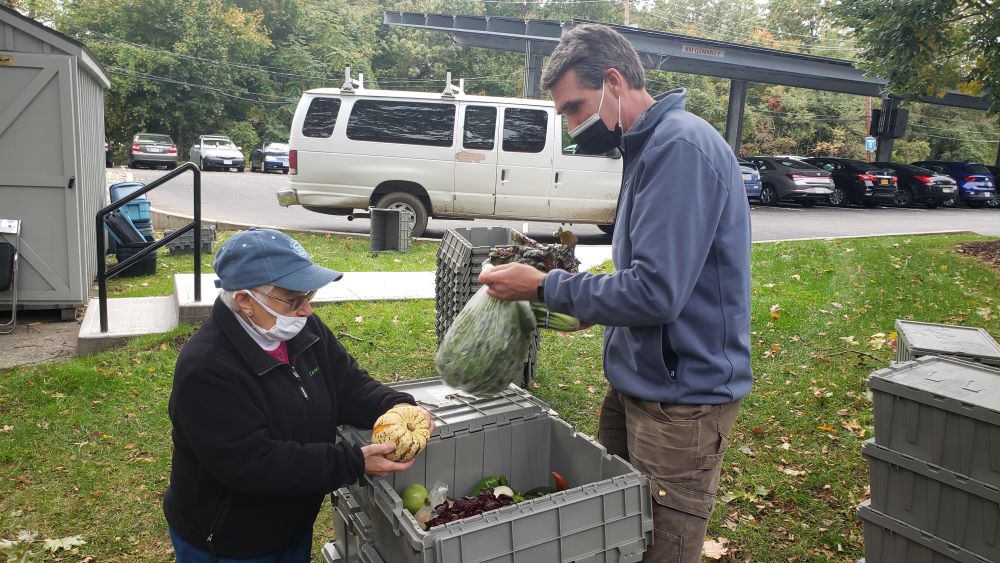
{"x": 555, "y": 321}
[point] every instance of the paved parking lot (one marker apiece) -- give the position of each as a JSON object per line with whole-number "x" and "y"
{"x": 248, "y": 198}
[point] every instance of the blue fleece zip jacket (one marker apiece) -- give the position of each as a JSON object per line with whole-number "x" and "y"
{"x": 677, "y": 308}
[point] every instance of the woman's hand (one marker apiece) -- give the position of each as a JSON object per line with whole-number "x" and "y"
{"x": 376, "y": 464}
{"x": 426, "y": 413}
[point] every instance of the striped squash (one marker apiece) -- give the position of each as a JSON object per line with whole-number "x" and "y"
{"x": 407, "y": 427}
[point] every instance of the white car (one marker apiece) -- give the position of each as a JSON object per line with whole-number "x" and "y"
{"x": 216, "y": 151}
{"x": 444, "y": 155}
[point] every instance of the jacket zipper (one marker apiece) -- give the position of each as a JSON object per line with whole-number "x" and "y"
{"x": 219, "y": 517}
{"x": 301, "y": 386}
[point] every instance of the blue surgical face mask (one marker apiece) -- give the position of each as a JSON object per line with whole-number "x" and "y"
{"x": 593, "y": 135}
{"x": 285, "y": 328}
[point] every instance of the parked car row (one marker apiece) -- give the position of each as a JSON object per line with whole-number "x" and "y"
{"x": 209, "y": 152}
{"x": 843, "y": 181}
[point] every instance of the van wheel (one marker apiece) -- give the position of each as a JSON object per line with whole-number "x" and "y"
{"x": 607, "y": 229}
{"x": 407, "y": 202}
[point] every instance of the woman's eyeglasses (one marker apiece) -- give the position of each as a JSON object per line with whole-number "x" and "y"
{"x": 297, "y": 303}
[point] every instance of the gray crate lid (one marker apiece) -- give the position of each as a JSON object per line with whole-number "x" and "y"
{"x": 965, "y": 388}
{"x": 457, "y": 411}
{"x": 932, "y": 338}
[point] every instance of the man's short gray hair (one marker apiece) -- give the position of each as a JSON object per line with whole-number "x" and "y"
{"x": 229, "y": 297}
{"x": 592, "y": 49}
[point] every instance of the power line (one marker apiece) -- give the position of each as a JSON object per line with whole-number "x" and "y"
{"x": 289, "y": 73}
{"x": 961, "y": 139}
{"x": 972, "y": 131}
{"x": 145, "y": 76}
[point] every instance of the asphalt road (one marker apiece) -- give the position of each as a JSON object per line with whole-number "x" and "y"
{"x": 248, "y": 198}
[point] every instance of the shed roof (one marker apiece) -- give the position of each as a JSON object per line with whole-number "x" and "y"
{"x": 14, "y": 23}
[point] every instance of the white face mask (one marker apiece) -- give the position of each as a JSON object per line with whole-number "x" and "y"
{"x": 285, "y": 328}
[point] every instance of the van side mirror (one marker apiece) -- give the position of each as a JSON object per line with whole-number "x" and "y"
{"x": 614, "y": 153}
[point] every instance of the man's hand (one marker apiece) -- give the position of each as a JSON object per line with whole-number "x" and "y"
{"x": 377, "y": 464}
{"x": 512, "y": 282}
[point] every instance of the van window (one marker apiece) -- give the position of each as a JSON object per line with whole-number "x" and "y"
{"x": 524, "y": 130}
{"x": 407, "y": 123}
{"x": 321, "y": 117}
{"x": 480, "y": 128}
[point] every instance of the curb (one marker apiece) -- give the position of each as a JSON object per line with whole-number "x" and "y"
{"x": 167, "y": 220}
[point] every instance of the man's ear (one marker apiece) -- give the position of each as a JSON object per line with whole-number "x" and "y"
{"x": 615, "y": 82}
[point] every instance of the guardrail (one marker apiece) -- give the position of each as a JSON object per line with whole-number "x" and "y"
{"x": 103, "y": 273}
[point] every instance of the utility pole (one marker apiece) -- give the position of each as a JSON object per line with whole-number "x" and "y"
{"x": 628, "y": 4}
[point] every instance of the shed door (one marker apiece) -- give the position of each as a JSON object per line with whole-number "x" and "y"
{"x": 37, "y": 161}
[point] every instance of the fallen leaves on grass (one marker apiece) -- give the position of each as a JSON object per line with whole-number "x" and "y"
{"x": 715, "y": 549}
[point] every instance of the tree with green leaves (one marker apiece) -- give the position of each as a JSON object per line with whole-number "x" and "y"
{"x": 925, "y": 47}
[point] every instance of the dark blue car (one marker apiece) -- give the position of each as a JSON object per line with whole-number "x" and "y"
{"x": 751, "y": 179}
{"x": 976, "y": 186}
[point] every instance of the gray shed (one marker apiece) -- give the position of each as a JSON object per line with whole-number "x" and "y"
{"x": 51, "y": 160}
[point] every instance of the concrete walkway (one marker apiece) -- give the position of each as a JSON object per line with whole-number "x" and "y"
{"x": 132, "y": 317}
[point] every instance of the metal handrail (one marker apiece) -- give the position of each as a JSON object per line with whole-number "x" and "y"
{"x": 103, "y": 274}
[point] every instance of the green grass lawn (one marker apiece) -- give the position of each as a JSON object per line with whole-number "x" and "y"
{"x": 85, "y": 447}
{"x": 345, "y": 254}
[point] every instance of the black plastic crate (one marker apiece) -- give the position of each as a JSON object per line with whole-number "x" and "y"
{"x": 941, "y": 411}
{"x": 959, "y": 510}
{"x": 144, "y": 267}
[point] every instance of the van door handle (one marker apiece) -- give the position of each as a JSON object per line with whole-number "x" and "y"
{"x": 71, "y": 183}
{"x": 503, "y": 175}
{"x": 557, "y": 178}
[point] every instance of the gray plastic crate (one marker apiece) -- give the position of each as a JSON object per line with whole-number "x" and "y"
{"x": 390, "y": 229}
{"x": 184, "y": 244}
{"x": 972, "y": 344}
{"x": 942, "y": 411}
{"x": 956, "y": 509}
{"x": 459, "y": 261}
{"x": 606, "y": 516}
{"x": 887, "y": 540}
{"x": 353, "y": 539}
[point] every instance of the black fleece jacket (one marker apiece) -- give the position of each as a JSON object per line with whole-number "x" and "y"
{"x": 254, "y": 438}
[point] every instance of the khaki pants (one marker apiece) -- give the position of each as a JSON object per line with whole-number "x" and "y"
{"x": 680, "y": 448}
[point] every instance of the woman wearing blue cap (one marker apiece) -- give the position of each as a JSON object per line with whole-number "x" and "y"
{"x": 258, "y": 394}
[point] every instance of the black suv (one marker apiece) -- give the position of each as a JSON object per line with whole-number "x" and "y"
{"x": 856, "y": 181}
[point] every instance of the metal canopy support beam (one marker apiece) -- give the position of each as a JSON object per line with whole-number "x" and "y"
{"x": 532, "y": 72}
{"x": 673, "y": 52}
{"x": 734, "y": 118}
{"x": 883, "y": 151}
{"x": 998, "y": 160}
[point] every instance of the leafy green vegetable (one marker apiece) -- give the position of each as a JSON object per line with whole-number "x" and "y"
{"x": 486, "y": 346}
{"x": 489, "y": 482}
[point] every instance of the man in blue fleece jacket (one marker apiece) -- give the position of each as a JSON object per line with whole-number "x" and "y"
{"x": 677, "y": 308}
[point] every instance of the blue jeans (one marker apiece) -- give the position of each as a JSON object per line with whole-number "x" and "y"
{"x": 298, "y": 552}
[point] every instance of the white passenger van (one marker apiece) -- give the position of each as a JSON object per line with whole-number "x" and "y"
{"x": 446, "y": 155}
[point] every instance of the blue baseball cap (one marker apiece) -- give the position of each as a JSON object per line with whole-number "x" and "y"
{"x": 264, "y": 256}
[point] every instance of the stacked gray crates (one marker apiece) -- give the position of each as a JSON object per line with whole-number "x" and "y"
{"x": 456, "y": 279}
{"x": 184, "y": 244}
{"x": 967, "y": 343}
{"x": 934, "y": 462}
{"x": 605, "y": 516}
